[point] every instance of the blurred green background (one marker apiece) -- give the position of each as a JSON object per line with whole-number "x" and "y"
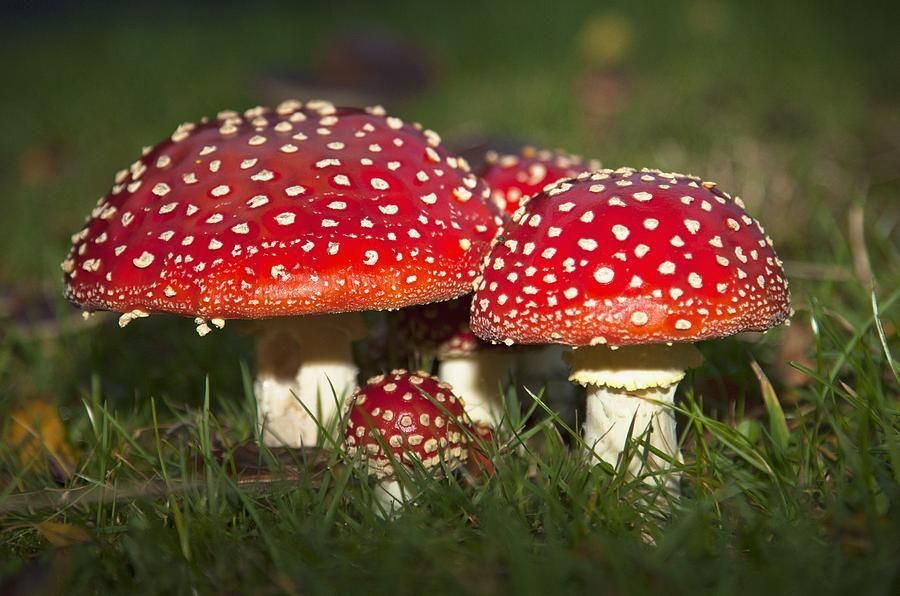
{"x": 793, "y": 105}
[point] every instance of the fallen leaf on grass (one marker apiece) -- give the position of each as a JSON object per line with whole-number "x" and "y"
{"x": 36, "y": 432}
{"x": 63, "y": 534}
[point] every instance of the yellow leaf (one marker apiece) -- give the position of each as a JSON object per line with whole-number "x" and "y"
{"x": 35, "y": 430}
{"x": 62, "y": 534}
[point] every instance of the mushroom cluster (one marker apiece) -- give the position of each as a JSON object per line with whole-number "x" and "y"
{"x": 302, "y": 216}
{"x": 631, "y": 266}
{"x": 307, "y": 209}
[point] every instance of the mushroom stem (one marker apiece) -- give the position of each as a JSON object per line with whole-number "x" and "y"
{"x": 608, "y": 418}
{"x": 391, "y": 497}
{"x": 479, "y": 378}
{"x": 304, "y": 366}
{"x": 632, "y": 388}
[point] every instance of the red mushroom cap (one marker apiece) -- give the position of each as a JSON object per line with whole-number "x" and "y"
{"x": 414, "y": 414}
{"x": 440, "y": 329}
{"x": 629, "y": 257}
{"x": 301, "y": 209}
{"x": 513, "y": 178}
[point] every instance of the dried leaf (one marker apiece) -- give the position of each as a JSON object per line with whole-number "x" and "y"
{"x": 63, "y": 534}
{"x": 36, "y": 432}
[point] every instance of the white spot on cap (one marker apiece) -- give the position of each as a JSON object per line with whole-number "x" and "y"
{"x": 692, "y": 225}
{"x": 293, "y": 191}
{"x": 683, "y": 324}
{"x": 620, "y": 232}
{"x": 371, "y": 257}
{"x": 161, "y": 189}
{"x": 143, "y": 261}
{"x": 221, "y": 190}
{"x": 257, "y": 201}
{"x": 695, "y": 280}
{"x": 588, "y": 244}
{"x": 286, "y": 218}
{"x": 604, "y": 275}
{"x": 639, "y": 318}
{"x": 388, "y": 209}
{"x": 666, "y": 268}
{"x": 651, "y": 223}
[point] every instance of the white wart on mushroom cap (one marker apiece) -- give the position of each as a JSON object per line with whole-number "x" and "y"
{"x": 628, "y": 256}
{"x": 301, "y": 209}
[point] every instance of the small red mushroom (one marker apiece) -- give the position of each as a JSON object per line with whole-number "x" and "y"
{"x": 636, "y": 265}
{"x": 407, "y": 419}
{"x": 514, "y": 178}
{"x": 305, "y": 209}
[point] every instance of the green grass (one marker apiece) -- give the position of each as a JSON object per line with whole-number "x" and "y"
{"x": 788, "y": 487}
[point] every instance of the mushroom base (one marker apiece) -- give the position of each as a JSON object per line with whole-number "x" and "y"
{"x": 479, "y": 379}
{"x": 305, "y": 369}
{"x": 647, "y": 414}
{"x": 632, "y": 389}
{"x": 390, "y": 496}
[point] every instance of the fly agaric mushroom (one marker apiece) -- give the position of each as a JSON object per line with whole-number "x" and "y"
{"x": 514, "y": 178}
{"x": 301, "y": 210}
{"x": 407, "y": 419}
{"x": 475, "y": 369}
{"x": 650, "y": 262}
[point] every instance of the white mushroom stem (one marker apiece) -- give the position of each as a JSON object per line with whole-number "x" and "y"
{"x": 480, "y": 378}
{"x": 304, "y": 366}
{"x": 632, "y": 389}
{"x": 390, "y": 496}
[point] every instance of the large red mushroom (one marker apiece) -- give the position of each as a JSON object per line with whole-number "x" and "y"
{"x": 307, "y": 209}
{"x": 405, "y": 419}
{"x": 633, "y": 267}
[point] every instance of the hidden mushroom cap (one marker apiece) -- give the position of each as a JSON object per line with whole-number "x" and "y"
{"x": 440, "y": 329}
{"x": 301, "y": 209}
{"x": 414, "y": 415}
{"x": 629, "y": 257}
{"x": 513, "y": 178}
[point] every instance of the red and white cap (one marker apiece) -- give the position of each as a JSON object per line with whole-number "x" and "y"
{"x": 629, "y": 257}
{"x": 414, "y": 415}
{"x": 513, "y": 178}
{"x": 301, "y": 209}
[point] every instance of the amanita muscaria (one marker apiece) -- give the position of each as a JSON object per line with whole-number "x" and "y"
{"x": 405, "y": 419}
{"x": 515, "y": 177}
{"x": 635, "y": 266}
{"x": 302, "y": 210}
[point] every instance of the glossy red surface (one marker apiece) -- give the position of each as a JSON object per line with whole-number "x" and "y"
{"x": 300, "y": 209}
{"x": 628, "y": 257}
{"x": 415, "y": 415}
